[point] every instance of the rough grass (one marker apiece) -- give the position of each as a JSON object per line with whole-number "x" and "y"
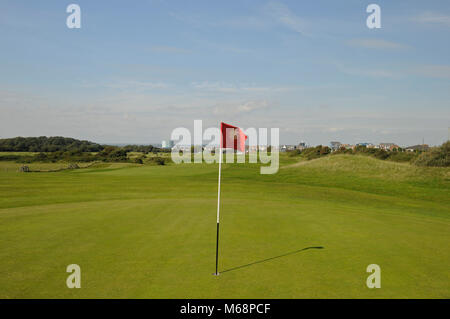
{"x": 7, "y": 166}
{"x": 19, "y": 153}
{"x": 141, "y": 231}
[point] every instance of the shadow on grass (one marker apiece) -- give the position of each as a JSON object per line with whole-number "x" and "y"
{"x": 271, "y": 258}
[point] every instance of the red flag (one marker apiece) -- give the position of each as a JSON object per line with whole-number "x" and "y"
{"x": 232, "y": 137}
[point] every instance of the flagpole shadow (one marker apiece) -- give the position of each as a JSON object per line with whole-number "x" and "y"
{"x": 271, "y": 258}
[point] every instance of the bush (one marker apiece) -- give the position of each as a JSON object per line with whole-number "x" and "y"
{"x": 316, "y": 152}
{"x": 437, "y": 156}
{"x": 10, "y": 157}
{"x": 113, "y": 154}
{"x": 381, "y": 154}
{"x": 157, "y": 160}
{"x": 46, "y": 144}
{"x": 402, "y": 156}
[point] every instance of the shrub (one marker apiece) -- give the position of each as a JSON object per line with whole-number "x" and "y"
{"x": 46, "y": 144}
{"x": 437, "y": 156}
{"x": 402, "y": 156}
{"x": 10, "y": 157}
{"x": 157, "y": 160}
{"x": 315, "y": 152}
{"x": 381, "y": 154}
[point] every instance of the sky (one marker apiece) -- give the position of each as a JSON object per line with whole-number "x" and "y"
{"x": 136, "y": 70}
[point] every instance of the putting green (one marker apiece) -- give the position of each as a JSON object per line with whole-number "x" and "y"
{"x": 308, "y": 231}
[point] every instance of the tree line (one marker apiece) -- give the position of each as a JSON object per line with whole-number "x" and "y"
{"x": 55, "y": 149}
{"x": 47, "y": 144}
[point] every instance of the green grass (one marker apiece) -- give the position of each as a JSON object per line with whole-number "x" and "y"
{"x": 19, "y": 153}
{"x": 141, "y": 231}
{"x": 10, "y": 166}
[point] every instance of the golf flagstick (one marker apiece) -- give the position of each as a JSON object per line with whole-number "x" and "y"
{"x": 237, "y": 138}
{"x": 218, "y": 212}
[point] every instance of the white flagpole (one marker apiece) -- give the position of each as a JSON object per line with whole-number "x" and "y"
{"x": 218, "y": 211}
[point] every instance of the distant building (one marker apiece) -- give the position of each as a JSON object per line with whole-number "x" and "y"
{"x": 167, "y": 144}
{"x": 285, "y": 148}
{"x": 348, "y": 146}
{"x": 301, "y": 146}
{"x": 422, "y": 147}
{"x": 368, "y": 145}
{"x": 388, "y": 146}
{"x": 335, "y": 145}
{"x": 181, "y": 148}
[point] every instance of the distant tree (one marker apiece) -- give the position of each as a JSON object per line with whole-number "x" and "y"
{"x": 46, "y": 144}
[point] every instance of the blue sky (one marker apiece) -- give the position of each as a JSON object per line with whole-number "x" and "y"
{"x": 136, "y": 70}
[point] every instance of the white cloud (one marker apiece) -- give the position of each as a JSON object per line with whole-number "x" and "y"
{"x": 376, "y": 44}
{"x": 283, "y": 15}
{"x": 227, "y": 87}
{"x": 128, "y": 85}
{"x": 434, "y": 71}
{"x": 252, "y": 106}
{"x": 215, "y": 86}
{"x": 252, "y": 22}
{"x": 334, "y": 129}
{"x": 368, "y": 72}
{"x": 168, "y": 49}
{"x": 433, "y": 18}
{"x": 126, "y": 117}
{"x": 233, "y": 108}
{"x": 431, "y": 71}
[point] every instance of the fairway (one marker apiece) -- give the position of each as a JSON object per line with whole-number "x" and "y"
{"x": 309, "y": 231}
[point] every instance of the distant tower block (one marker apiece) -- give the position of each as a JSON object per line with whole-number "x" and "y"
{"x": 167, "y": 144}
